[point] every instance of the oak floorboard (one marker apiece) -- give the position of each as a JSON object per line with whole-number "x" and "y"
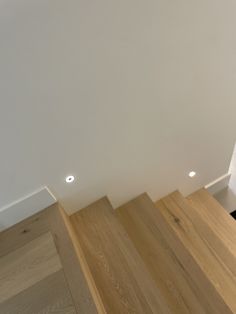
{"x": 23, "y": 232}
{"x": 27, "y": 265}
{"x": 50, "y": 295}
{"x": 71, "y": 266}
{"x": 51, "y": 220}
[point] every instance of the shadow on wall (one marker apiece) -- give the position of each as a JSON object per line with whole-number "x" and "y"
{"x": 227, "y": 196}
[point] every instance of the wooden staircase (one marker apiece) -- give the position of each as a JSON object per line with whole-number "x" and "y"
{"x": 177, "y": 255}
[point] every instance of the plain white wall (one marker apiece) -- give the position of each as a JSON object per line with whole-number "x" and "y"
{"x": 227, "y": 199}
{"x": 127, "y": 95}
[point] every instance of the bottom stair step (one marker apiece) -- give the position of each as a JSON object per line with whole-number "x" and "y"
{"x": 119, "y": 279}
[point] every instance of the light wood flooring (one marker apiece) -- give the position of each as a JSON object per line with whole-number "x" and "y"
{"x": 39, "y": 271}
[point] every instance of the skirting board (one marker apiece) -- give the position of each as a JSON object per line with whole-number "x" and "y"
{"x": 25, "y": 207}
{"x": 218, "y": 184}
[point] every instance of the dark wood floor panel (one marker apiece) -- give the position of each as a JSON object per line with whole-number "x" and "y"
{"x": 50, "y": 295}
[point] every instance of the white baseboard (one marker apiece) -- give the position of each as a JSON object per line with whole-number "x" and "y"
{"x": 218, "y": 184}
{"x": 25, "y": 207}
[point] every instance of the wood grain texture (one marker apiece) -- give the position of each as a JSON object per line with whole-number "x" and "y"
{"x": 178, "y": 288}
{"x": 119, "y": 275}
{"x": 50, "y": 295}
{"x": 50, "y": 220}
{"x": 84, "y": 266}
{"x": 27, "y": 265}
{"x": 216, "y": 226}
{"x": 71, "y": 266}
{"x": 216, "y": 217}
{"x": 198, "y": 257}
{"x": 23, "y": 232}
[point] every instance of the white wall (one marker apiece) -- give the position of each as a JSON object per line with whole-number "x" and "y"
{"x": 127, "y": 95}
{"x": 227, "y": 199}
{"x": 225, "y": 190}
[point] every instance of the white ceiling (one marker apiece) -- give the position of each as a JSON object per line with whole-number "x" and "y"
{"x": 128, "y": 95}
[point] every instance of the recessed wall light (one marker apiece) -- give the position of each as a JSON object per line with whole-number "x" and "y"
{"x": 70, "y": 179}
{"x": 192, "y": 174}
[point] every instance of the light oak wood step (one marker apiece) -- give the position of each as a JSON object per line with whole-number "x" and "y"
{"x": 116, "y": 274}
{"x": 197, "y": 251}
{"x": 216, "y": 216}
{"x": 216, "y": 226}
{"x": 179, "y": 290}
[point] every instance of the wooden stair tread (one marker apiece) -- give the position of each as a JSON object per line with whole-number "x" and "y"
{"x": 178, "y": 288}
{"x": 216, "y": 226}
{"x": 188, "y": 235}
{"x": 216, "y": 216}
{"x": 122, "y": 283}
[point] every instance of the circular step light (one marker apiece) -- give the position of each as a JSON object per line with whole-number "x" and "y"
{"x": 70, "y": 179}
{"x": 192, "y": 174}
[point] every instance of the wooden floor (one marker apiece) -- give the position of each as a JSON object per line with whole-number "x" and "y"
{"x": 50, "y": 295}
{"x": 32, "y": 280}
{"x": 28, "y": 265}
{"x": 39, "y": 270}
{"x": 175, "y": 256}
